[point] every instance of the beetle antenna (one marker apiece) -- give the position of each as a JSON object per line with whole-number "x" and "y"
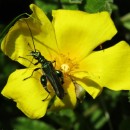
{"x": 31, "y": 36}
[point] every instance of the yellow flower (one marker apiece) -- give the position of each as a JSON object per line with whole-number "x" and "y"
{"x": 69, "y": 40}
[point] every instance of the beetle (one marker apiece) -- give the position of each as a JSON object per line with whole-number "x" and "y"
{"x": 55, "y": 77}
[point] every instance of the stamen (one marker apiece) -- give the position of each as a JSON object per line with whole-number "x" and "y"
{"x": 67, "y": 65}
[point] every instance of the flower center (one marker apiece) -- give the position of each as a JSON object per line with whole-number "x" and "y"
{"x": 67, "y": 65}
{"x": 65, "y": 68}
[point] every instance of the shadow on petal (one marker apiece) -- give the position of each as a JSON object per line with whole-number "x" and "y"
{"x": 69, "y": 100}
{"x": 91, "y": 86}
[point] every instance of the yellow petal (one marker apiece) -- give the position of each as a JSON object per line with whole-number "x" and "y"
{"x": 69, "y": 100}
{"x": 28, "y": 94}
{"x": 90, "y": 82}
{"x": 78, "y": 33}
{"x": 107, "y": 68}
{"x": 36, "y": 30}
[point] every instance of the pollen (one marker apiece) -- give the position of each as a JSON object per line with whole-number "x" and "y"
{"x": 67, "y": 65}
{"x": 65, "y": 68}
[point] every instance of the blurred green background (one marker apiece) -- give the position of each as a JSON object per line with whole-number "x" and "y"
{"x": 109, "y": 111}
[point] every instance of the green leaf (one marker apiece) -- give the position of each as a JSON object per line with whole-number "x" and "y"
{"x": 23, "y": 123}
{"x": 98, "y": 118}
{"x": 47, "y": 6}
{"x": 64, "y": 118}
{"x": 93, "y": 6}
{"x": 126, "y": 21}
{"x": 67, "y": 4}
